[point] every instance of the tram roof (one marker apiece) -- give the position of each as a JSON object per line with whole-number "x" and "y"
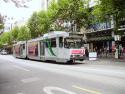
{"x": 56, "y": 34}
{"x": 36, "y": 39}
{"x": 20, "y": 42}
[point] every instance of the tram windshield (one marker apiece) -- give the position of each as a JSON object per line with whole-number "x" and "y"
{"x": 72, "y": 42}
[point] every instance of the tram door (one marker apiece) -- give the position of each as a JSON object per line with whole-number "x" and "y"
{"x": 61, "y": 51}
{"x": 42, "y": 50}
{"x": 22, "y": 49}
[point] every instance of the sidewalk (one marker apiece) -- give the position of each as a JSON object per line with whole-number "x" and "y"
{"x": 106, "y": 61}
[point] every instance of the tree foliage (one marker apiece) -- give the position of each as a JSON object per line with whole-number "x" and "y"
{"x": 105, "y": 8}
{"x": 17, "y": 34}
{"x": 23, "y": 34}
{"x": 40, "y": 22}
{"x": 74, "y": 10}
{"x": 6, "y": 38}
{"x": 34, "y": 25}
{"x": 14, "y": 33}
{"x": 52, "y": 11}
{"x": 45, "y": 21}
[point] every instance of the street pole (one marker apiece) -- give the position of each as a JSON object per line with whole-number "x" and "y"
{"x": 117, "y": 40}
{"x": 47, "y": 3}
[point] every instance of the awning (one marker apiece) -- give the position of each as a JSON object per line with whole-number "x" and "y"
{"x": 100, "y": 38}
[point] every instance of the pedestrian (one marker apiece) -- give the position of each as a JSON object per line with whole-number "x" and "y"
{"x": 124, "y": 51}
{"x": 106, "y": 51}
{"x": 101, "y": 51}
{"x": 113, "y": 49}
{"x": 86, "y": 52}
{"x": 120, "y": 50}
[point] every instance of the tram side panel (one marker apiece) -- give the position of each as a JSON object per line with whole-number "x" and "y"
{"x": 16, "y": 50}
{"x": 42, "y": 50}
{"x": 54, "y": 50}
{"x": 33, "y": 50}
{"x": 63, "y": 53}
{"x": 19, "y": 50}
{"x": 23, "y": 50}
{"x": 51, "y": 51}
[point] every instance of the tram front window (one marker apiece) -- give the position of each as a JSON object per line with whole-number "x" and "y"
{"x": 72, "y": 43}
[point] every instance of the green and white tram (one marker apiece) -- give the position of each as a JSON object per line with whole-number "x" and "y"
{"x": 63, "y": 47}
{"x": 57, "y": 46}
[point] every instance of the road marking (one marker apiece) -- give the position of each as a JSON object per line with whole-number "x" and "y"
{"x": 86, "y": 90}
{"x": 29, "y": 80}
{"x": 21, "y": 68}
{"x": 20, "y": 93}
{"x": 50, "y": 89}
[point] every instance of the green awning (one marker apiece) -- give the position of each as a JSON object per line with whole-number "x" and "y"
{"x": 101, "y": 38}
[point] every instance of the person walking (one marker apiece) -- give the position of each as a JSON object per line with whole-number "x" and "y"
{"x": 106, "y": 51}
{"x": 120, "y": 50}
{"x": 86, "y": 52}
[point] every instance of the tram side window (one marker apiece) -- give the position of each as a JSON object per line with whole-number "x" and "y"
{"x": 46, "y": 44}
{"x": 23, "y": 46}
{"x": 60, "y": 42}
{"x": 36, "y": 50}
{"x": 53, "y": 42}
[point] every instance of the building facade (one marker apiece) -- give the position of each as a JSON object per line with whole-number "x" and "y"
{"x": 101, "y": 36}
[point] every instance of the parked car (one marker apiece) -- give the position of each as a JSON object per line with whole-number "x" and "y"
{"x": 3, "y": 52}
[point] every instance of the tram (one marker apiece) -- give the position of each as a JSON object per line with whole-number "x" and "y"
{"x": 19, "y": 49}
{"x": 56, "y": 46}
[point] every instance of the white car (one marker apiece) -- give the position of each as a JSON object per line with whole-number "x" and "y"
{"x": 3, "y": 52}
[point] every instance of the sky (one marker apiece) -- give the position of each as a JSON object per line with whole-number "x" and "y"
{"x": 9, "y": 9}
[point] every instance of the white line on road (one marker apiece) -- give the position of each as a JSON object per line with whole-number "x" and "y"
{"x": 21, "y": 68}
{"x": 86, "y": 90}
{"x": 50, "y": 89}
{"x": 29, "y": 80}
{"x": 20, "y": 93}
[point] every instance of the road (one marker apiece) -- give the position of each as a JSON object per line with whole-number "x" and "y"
{"x": 19, "y": 76}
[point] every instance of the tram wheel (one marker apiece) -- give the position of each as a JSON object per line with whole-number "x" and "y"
{"x": 70, "y": 62}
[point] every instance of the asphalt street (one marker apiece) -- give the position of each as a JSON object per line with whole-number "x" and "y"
{"x": 19, "y": 76}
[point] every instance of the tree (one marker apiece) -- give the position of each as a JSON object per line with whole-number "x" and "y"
{"x": 23, "y": 34}
{"x": 48, "y": 18}
{"x": 52, "y": 13}
{"x": 40, "y": 22}
{"x": 14, "y": 33}
{"x": 6, "y": 38}
{"x": 107, "y": 8}
{"x": 74, "y": 10}
{"x": 17, "y": 34}
{"x": 1, "y": 44}
{"x": 44, "y": 21}
{"x": 34, "y": 25}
